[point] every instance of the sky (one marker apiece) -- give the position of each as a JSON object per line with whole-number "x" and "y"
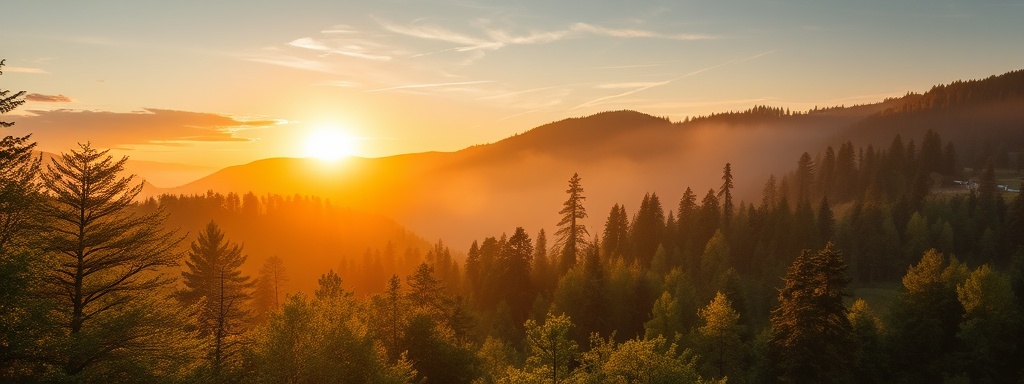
{"x": 217, "y": 83}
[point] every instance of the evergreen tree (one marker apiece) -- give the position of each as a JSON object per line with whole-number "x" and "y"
{"x": 708, "y": 219}
{"x": 107, "y": 260}
{"x": 514, "y": 275}
{"x": 804, "y": 177}
{"x": 924, "y": 319}
{"x": 870, "y": 359}
{"x": 991, "y": 327}
{"x": 812, "y": 340}
{"x": 826, "y": 222}
{"x": 9, "y": 101}
{"x": 389, "y": 317}
{"x": 474, "y": 273}
{"x": 549, "y": 350}
{"x": 687, "y": 221}
{"x": 544, "y": 275}
{"x": 720, "y": 350}
{"x": 267, "y": 295}
{"x": 725, "y": 194}
{"x": 646, "y": 229}
{"x": 218, "y": 291}
{"x": 20, "y": 189}
{"x": 666, "y": 319}
{"x": 616, "y": 233}
{"x": 572, "y": 234}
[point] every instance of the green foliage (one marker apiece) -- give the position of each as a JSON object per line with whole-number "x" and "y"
{"x": 665, "y": 318}
{"x": 720, "y": 351}
{"x": 812, "y": 340}
{"x": 218, "y": 292}
{"x": 869, "y": 358}
{"x": 550, "y": 352}
{"x": 924, "y": 320}
{"x": 107, "y": 259}
{"x": 320, "y": 341}
{"x": 991, "y": 327}
{"x": 637, "y": 361}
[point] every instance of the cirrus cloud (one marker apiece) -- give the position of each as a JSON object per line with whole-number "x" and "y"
{"x": 63, "y": 128}
{"x": 41, "y": 98}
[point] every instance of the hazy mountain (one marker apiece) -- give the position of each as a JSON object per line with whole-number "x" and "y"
{"x": 521, "y": 180}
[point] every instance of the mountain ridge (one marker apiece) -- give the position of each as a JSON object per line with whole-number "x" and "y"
{"x": 621, "y": 155}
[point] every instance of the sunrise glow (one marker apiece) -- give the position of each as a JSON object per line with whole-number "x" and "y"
{"x": 329, "y": 143}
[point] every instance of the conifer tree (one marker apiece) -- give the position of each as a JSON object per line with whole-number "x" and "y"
{"x": 616, "y": 233}
{"x": 267, "y": 293}
{"x": 572, "y": 234}
{"x": 804, "y": 177}
{"x": 107, "y": 260}
{"x": 718, "y": 340}
{"x": 646, "y": 229}
{"x": 23, "y": 319}
{"x": 550, "y": 351}
{"x": 19, "y": 189}
{"x": 219, "y": 292}
{"x": 812, "y": 340}
{"x": 725, "y": 194}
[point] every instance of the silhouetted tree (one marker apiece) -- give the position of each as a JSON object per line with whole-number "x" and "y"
{"x": 106, "y": 259}
{"x": 218, "y": 292}
{"x": 725, "y": 194}
{"x": 616, "y": 233}
{"x": 812, "y": 338}
{"x": 572, "y": 234}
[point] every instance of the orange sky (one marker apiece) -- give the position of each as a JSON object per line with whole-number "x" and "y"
{"x": 230, "y": 82}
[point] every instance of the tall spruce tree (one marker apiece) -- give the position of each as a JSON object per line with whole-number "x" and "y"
{"x": 725, "y": 194}
{"x": 572, "y": 234}
{"x": 107, "y": 260}
{"x": 812, "y": 340}
{"x": 218, "y": 291}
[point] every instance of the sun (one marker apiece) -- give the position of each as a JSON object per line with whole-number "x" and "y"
{"x": 329, "y": 144}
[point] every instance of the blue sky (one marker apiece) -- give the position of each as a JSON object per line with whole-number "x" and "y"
{"x": 224, "y": 82}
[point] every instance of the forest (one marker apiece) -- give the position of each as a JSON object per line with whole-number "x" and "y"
{"x": 899, "y": 264}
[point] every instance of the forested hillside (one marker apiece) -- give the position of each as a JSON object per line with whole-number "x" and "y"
{"x": 860, "y": 263}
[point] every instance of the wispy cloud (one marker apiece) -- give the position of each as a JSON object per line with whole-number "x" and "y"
{"x": 13, "y": 69}
{"x": 658, "y": 84}
{"x": 496, "y": 38}
{"x": 628, "y": 85}
{"x": 350, "y": 50}
{"x": 631, "y": 66}
{"x": 41, "y": 98}
{"x": 64, "y": 127}
{"x": 635, "y": 33}
{"x": 293, "y": 62}
{"x": 432, "y": 85}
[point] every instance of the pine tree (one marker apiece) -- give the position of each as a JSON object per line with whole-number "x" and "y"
{"x": 646, "y": 229}
{"x": 20, "y": 189}
{"x": 708, "y": 219}
{"x": 804, "y": 177}
{"x": 718, "y": 340}
{"x": 217, "y": 289}
{"x": 274, "y": 271}
{"x": 107, "y": 260}
{"x": 572, "y": 234}
{"x": 550, "y": 351}
{"x": 725, "y": 194}
{"x": 616, "y": 233}
{"x": 390, "y": 317}
{"x": 9, "y": 101}
{"x": 812, "y": 339}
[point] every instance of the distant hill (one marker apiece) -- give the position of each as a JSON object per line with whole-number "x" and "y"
{"x": 488, "y": 189}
